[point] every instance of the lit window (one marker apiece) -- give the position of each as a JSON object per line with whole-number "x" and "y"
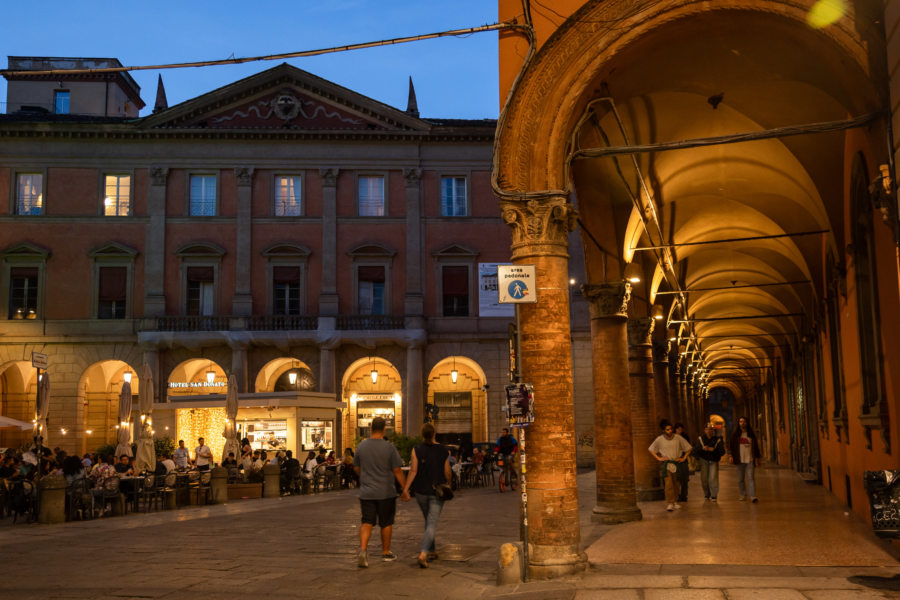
{"x": 371, "y": 196}
{"x": 23, "y": 292}
{"x": 453, "y": 197}
{"x": 61, "y": 102}
{"x": 203, "y": 196}
{"x": 117, "y": 196}
{"x": 200, "y": 291}
{"x": 370, "y": 286}
{"x": 113, "y": 293}
{"x": 288, "y": 196}
{"x": 286, "y": 289}
{"x": 29, "y": 194}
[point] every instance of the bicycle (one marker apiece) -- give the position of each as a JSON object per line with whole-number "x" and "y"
{"x": 508, "y": 475}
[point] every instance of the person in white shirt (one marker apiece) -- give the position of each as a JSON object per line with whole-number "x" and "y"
{"x": 182, "y": 456}
{"x": 169, "y": 464}
{"x": 202, "y": 456}
{"x": 670, "y": 449}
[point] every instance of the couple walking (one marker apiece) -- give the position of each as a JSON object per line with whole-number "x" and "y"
{"x": 378, "y": 466}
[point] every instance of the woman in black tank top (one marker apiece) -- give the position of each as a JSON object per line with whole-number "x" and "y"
{"x": 429, "y": 465}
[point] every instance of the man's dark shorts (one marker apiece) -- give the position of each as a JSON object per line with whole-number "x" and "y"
{"x": 379, "y": 512}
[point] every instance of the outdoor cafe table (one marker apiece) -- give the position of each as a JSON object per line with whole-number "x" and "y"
{"x": 132, "y": 490}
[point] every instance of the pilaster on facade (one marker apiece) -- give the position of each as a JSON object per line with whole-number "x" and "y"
{"x": 414, "y": 301}
{"x": 155, "y": 246}
{"x": 242, "y": 303}
{"x": 328, "y": 297}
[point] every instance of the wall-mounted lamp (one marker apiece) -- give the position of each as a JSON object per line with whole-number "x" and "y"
{"x": 454, "y": 374}
{"x": 292, "y": 375}
{"x": 127, "y": 377}
{"x": 633, "y": 272}
{"x": 374, "y": 372}
{"x": 210, "y": 374}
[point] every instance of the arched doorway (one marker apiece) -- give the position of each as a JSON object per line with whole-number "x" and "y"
{"x": 371, "y": 387}
{"x": 285, "y": 374}
{"x": 18, "y": 389}
{"x": 100, "y": 387}
{"x": 456, "y": 388}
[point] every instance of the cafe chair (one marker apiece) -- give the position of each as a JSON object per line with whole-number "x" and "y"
{"x": 201, "y": 487}
{"x": 149, "y": 493}
{"x": 111, "y": 494}
{"x": 79, "y": 500}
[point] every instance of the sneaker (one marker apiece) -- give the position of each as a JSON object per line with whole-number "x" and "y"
{"x": 713, "y": 499}
{"x": 388, "y": 556}
{"x": 676, "y": 505}
{"x": 362, "y": 560}
{"x": 706, "y": 498}
{"x": 754, "y": 500}
{"x": 670, "y": 507}
{"x": 742, "y": 498}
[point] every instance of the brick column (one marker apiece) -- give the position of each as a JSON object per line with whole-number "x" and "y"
{"x": 644, "y": 423}
{"x": 414, "y": 398}
{"x": 540, "y": 231}
{"x": 661, "y": 401}
{"x": 674, "y": 385}
{"x": 616, "y": 499}
{"x": 414, "y": 300}
{"x": 155, "y": 246}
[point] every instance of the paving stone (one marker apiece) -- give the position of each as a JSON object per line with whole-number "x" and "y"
{"x": 607, "y": 595}
{"x": 631, "y": 581}
{"x": 764, "y": 594}
{"x": 682, "y": 594}
{"x": 846, "y": 595}
{"x": 802, "y": 583}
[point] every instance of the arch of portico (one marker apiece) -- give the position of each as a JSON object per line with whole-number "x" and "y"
{"x": 611, "y": 76}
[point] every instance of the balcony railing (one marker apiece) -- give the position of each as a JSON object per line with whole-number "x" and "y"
{"x": 282, "y": 323}
{"x": 192, "y": 323}
{"x": 365, "y": 322}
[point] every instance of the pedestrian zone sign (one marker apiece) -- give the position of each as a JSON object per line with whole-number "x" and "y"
{"x": 516, "y": 284}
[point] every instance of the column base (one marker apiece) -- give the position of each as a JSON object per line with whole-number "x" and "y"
{"x": 612, "y": 514}
{"x": 548, "y": 562}
{"x": 650, "y": 494}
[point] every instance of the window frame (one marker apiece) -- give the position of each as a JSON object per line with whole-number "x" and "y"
{"x": 68, "y": 95}
{"x": 102, "y": 185}
{"x": 468, "y": 189}
{"x": 218, "y": 191}
{"x": 24, "y": 256}
{"x": 14, "y": 191}
{"x": 199, "y": 254}
{"x": 275, "y": 177}
{"x": 385, "y": 181}
{"x": 286, "y": 255}
{"x": 372, "y": 255}
{"x": 112, "y": 254}
{"x": 455, "y": 256}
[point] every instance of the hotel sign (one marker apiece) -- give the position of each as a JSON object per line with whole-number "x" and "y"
{"x": 197, "y": 384}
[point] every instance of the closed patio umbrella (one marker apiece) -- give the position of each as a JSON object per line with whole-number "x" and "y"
{"x": 123, "y": 436}
{"x": 42, "y": 409}
{"x": 231, "y": 410}
{"x": 146, "y": 450}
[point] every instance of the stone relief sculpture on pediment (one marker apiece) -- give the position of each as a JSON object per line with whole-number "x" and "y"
{"x": 288, "y": 108}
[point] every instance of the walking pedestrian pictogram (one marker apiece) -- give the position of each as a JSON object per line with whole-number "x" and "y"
{"x": 517, "y": 284}
{"x": 517, "y": 290}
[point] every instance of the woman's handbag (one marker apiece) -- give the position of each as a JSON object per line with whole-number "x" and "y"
{"x": 693, "y": 463}
{"x": 443, "y": 492}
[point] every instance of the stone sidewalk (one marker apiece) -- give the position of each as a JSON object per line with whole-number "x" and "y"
{"x": 304, "y": 547}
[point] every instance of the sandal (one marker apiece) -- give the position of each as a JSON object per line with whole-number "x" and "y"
{"x": 423, "y": 563}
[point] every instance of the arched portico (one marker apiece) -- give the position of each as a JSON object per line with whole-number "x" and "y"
{"x": 614, "y": 75}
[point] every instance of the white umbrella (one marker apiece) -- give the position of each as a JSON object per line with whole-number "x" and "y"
{"x": 42, "y": 409}
{"x": 231, "y": 410}
{"x": 8, "y": 423}
{"x": 146, "y": 450}
{"x": 124, "y": 437}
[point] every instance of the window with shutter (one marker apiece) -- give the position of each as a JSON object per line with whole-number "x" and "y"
{"x": 455, "y": 290}
{"x": 112, "y": 294}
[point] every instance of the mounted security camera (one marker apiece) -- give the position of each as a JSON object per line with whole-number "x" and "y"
{"x": 485, "y": 387}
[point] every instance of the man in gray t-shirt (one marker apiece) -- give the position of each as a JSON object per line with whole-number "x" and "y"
{"x": 378, "y": 465}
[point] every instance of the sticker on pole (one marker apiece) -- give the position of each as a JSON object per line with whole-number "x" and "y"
{"x": 516, "y": 284}
{"x": 520, "y": 404}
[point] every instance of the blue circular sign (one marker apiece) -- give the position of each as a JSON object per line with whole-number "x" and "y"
{"x": 517, "y": 289}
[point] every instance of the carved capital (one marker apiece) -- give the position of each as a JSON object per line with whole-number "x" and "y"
{"x": 608, "y": 300}
{"x": 412, "y": 177}
{"x": 639, "y": 331}
{"x": 661, "y": 351}
{"x": 158, "y": 175}
{"x": 539, "y": 226}
{"x": 244, "y": 175}
{"x": 329, "y": 177}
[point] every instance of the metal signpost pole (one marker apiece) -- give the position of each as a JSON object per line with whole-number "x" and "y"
{"x": 524, "y": 501}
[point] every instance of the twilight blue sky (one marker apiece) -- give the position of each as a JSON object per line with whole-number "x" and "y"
{"x": 454, "y": 77}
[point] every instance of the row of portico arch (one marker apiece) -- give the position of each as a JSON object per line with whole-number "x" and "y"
{"x": 84, "y": 415}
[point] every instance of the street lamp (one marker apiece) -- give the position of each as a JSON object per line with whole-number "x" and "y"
{"x": 210, "y": 374}
{"x": 454, "y": 374}
{"x": 374, "y": 372}
{"x": 292, "y": 375}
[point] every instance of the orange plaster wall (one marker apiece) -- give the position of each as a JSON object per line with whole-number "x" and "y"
{"x": 72, "y": 192}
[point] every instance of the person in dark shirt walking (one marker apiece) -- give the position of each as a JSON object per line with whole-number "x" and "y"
{"x": 428, "y": 467}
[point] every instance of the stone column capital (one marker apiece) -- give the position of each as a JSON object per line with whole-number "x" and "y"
{"x": 608, "y": 300}
{"x": 329, "y": 176}
{"x": 158, "y": 175}
{"x": 540, "y": 226}
{"x": 661, "y": 351}
{"x": 244, "y": 175}
{"x": 639, "y": 331}
{"x": 412, "y": 177}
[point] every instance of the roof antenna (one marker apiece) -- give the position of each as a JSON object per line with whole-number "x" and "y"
{"x": 412, "y": 107}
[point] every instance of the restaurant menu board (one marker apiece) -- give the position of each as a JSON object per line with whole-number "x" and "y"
{"x": 520, "y": 404}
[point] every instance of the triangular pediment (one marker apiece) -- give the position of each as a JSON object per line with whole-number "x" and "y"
{"x": 113, "y": 249}
{"x": 455, "y": 251}
{"x": 26, "y": 250}
{"x": 285, "y": 98}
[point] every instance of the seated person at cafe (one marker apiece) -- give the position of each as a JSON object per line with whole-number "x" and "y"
{"x": 477, "y": 458}
{"x": 290, "y": 470}
{"x": 229, "y": 461}
{"x": 72, "y": 469}
{"x": 169, "y": 463}
{"x": 102, "y": 471}
{"x": 8, "y": 467}
{"x": 348, "y": 475}
{"x": 160, "y": 470}
{"x": 123, "y": 467}
{"x": 330, "y": 459}
{"x": 87, "y": 461}
{"x": 320, "y": 458}
{"x": 309, "y": 467}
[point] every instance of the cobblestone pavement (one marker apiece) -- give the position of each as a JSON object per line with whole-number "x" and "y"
{"x": 305, "y": 547}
